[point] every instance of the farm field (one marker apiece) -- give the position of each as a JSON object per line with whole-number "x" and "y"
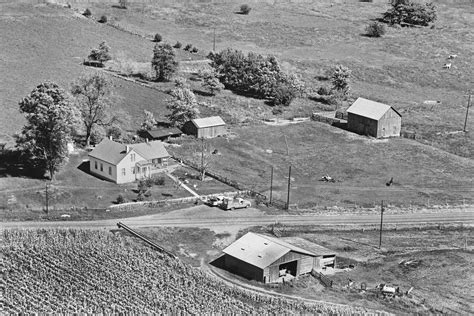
{"x": 86, "y": 271}
{"x": 440, "y": 273}
{"x": 423, "y": 176}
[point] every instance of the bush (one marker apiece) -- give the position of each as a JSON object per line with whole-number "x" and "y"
{"x": 411, "y": 13}
{"x": 140, "y": 197}
{"x": 324, "y": 90}
{"x": 375, "y": 29}
{"x": 157, "y": 38}
{"x": 144, "y": 185}
{"x": 123, "y": 4}
{"x": 178, "y": 45}
{"x": 103, "y": 19}
{"x": 87, "y": 13}
{"x": 245, "y": 9}
{"x": 159, "y": 180}
{"x": 194, "y": 50}
{"x": 120, "y": 199}
{"x": 188, "y": 47}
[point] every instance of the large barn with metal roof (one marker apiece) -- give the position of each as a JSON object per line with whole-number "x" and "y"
{"x": 372, "y": 118}
{"x": 206, "y": 127}
{"x": 262, "y": 258}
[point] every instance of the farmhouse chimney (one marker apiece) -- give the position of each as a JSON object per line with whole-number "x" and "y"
{"x": 146, "y": 140}
{"x": 127, "y": 149}
{"x": 110, "y": 137}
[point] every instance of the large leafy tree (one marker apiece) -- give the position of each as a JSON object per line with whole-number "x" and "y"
{"x": 183, "y": 106}
{"x": 149, "y": 122}
{"x": 410, "y": 12}
{"x": 163, "y": 62}
{"x": 93, "y": 99}
{"x": 51, "y": 121}
{"x": 340, "y": 79}
{"x": 101, "y": 54}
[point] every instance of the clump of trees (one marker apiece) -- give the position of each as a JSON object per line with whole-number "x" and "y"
{"x": 211, "y": 82}
{"x": 51, "y": 121}
{"x": 408, "y": 12}
{"x": 101, "y": 54}
{"x": 375, "y": 29}
{"x": 256, "y": 75}
{"x": 164, "y": 62}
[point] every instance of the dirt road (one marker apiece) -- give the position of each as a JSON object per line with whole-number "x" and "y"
{"x": 220, "y": 221}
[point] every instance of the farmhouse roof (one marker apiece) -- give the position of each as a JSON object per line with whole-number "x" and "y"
{"x": 150, "y": 150}
{"x": 164, "y": 132}
{"x": 112, "y": 152}
{"x": 208, "y": 121}
{"x": 370, "y": 109}
{"x": 261, "y": 250}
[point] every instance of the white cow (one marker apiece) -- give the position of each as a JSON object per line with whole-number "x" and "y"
{"x": 452, "y": 56}
{"x": 447, "y": 66}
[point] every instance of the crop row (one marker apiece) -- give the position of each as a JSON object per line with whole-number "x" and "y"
{"x": 79, "y": 271}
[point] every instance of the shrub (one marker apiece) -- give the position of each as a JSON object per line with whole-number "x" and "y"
{"x": 101, "y": 54}
{"x": 157, "y": 38}
{"x": 123, "y": 4}
{"x": 120, "y": 199}
{"x": 140, "y": 197}
{"x": 194, "y": 50}
{"x": 375, "y": 29}
{"x": 87, "y": 13}
{"x": 188, "y": 47}
{"x": 144, "y": 184}
{"x": 340, "y": 79}
{"x": 323, "y": 90}
{"x": 245, "y": 9}
{"x": 159, "y": 180}
{"x": 103, "y": 19}
{"x": 178, "y": 45}
{"x": 411, "y": 13}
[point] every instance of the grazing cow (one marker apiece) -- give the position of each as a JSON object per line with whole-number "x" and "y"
{"x": 452, "y": 56}
{"x": 447, "y": 66}
{"x": 389, "y": 183}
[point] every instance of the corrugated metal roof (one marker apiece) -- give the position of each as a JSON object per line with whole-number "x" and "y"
{"x": 208, "y": 121}
{"x": 314, "y": 248}
{"x": 113, "y": 152}
{"x": 367, "y": 108}
{"x": 261, "y": 250}
{"x": 150, "y": 150}
{"x": 109, "y": 151}
{"x": 163, "y": 132}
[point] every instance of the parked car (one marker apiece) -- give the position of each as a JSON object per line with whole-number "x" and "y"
{"x": 215, "y": 200}
{"x": 232, "y": 204}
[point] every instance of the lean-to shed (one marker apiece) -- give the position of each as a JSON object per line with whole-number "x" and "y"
{"x": 207, "y": 127}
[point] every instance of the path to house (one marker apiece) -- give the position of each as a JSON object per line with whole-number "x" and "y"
{"x": 176, "y": 180}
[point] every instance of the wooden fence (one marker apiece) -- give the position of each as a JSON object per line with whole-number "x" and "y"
{"x": 327, "y": 282}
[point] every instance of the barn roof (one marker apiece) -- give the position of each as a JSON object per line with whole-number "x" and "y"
{"x": 315, "y": 248}
{"x": 208, "y": 121}
{"x": 112, "y": 152}
{"x": 164, "y": 132}
{"x": 261, "y": 250}
{"x": 370, "y": 109}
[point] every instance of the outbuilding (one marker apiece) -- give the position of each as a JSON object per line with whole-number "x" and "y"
{"x": 207, "y": 127}
{"x": 263, "y": 258}
{"x": 372, "y": 118}
{"x": 163, "y": 134}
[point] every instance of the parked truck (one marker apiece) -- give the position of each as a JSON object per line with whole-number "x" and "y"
{"x": 232, "y": 204}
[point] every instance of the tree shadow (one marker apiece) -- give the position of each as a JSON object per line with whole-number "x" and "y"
{"x": 117, "y": 6}
{"x": 203, "y": 93}
{"x": 13, "y": 164}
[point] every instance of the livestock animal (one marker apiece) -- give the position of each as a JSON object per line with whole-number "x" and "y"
{"x": 447, "y": 66}
{"x": 452, "y": 56}
{"x": 389, "y": 183}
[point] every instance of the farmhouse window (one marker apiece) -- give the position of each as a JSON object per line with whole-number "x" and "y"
{"x": 110, "y": 170}
{"x": 133, "y": 170}
{"x": 95, "y": 164}
{"x": 101, "y": 167}
{"x": 123, "y": 171}
{"x": 132, "y": 157}
{"x": 144, "y": 169}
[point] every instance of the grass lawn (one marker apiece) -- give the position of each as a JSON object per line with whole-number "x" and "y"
{"x": 423, "y": 176}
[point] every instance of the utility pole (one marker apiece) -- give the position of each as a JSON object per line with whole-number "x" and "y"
{"x": 467, "y": 111}
{"x": 381, "y": 225}
{"x": 202, "y": 159}
{"x": 47, "y": 199}
{"x": 289, "y": 184}
{"x": 214, "y": 42}
{"x": 271, "y": 185}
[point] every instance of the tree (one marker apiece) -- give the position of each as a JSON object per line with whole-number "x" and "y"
{"x": 149, "y": 122}
{"x": 181, "y": 112}
{"x": 51, "y": 121}
{"x": 340, "y": 78}
{"x": 211, "y": 82}
{"x": 93, "y": 99}
{"x": 101, "y": 54}
{"x": 375, "y": 29}
{"x": 163, "y": 62}
{"x": 245, "y": 9}
{"x": 411, "y": 13}
{"x": 123, "y": 4}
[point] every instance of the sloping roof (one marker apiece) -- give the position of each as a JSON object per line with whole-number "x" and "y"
{"x": 208, "y": 121}
{"x": 314, "y": 248}
{"x": 109, "y": 151}
{"x": 150, "y": 150}
{"x": 261, "y": 250}
{"x": 370, "y": 109}
{"x": 164, "y": 132}
{"x": 113, "y": 152}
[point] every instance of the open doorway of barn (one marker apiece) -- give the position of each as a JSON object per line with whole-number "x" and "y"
{"x": 288, "y": 267}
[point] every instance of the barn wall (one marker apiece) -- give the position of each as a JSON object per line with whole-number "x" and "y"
{"x": 390, "y": 124}
{"x": 361, "y": 125}
{"x": 211, "y": 131}
{"x": 190, "y": 129}
{"x": 304, "y": 265}
{"x": 243, "y": 268}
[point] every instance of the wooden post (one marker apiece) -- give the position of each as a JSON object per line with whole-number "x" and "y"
{"x": 287, "y": 149}
{"x": 47, "y": 199}
{"x": 202, "y": 159}
{"x": 289, "y": 184}
{"x": 271, "y": 185}
{"x": 381, "y": 225}
{"x": 467, "y": 112}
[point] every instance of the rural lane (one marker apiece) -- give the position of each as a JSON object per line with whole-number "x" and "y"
{"x": 218, "y": 220}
